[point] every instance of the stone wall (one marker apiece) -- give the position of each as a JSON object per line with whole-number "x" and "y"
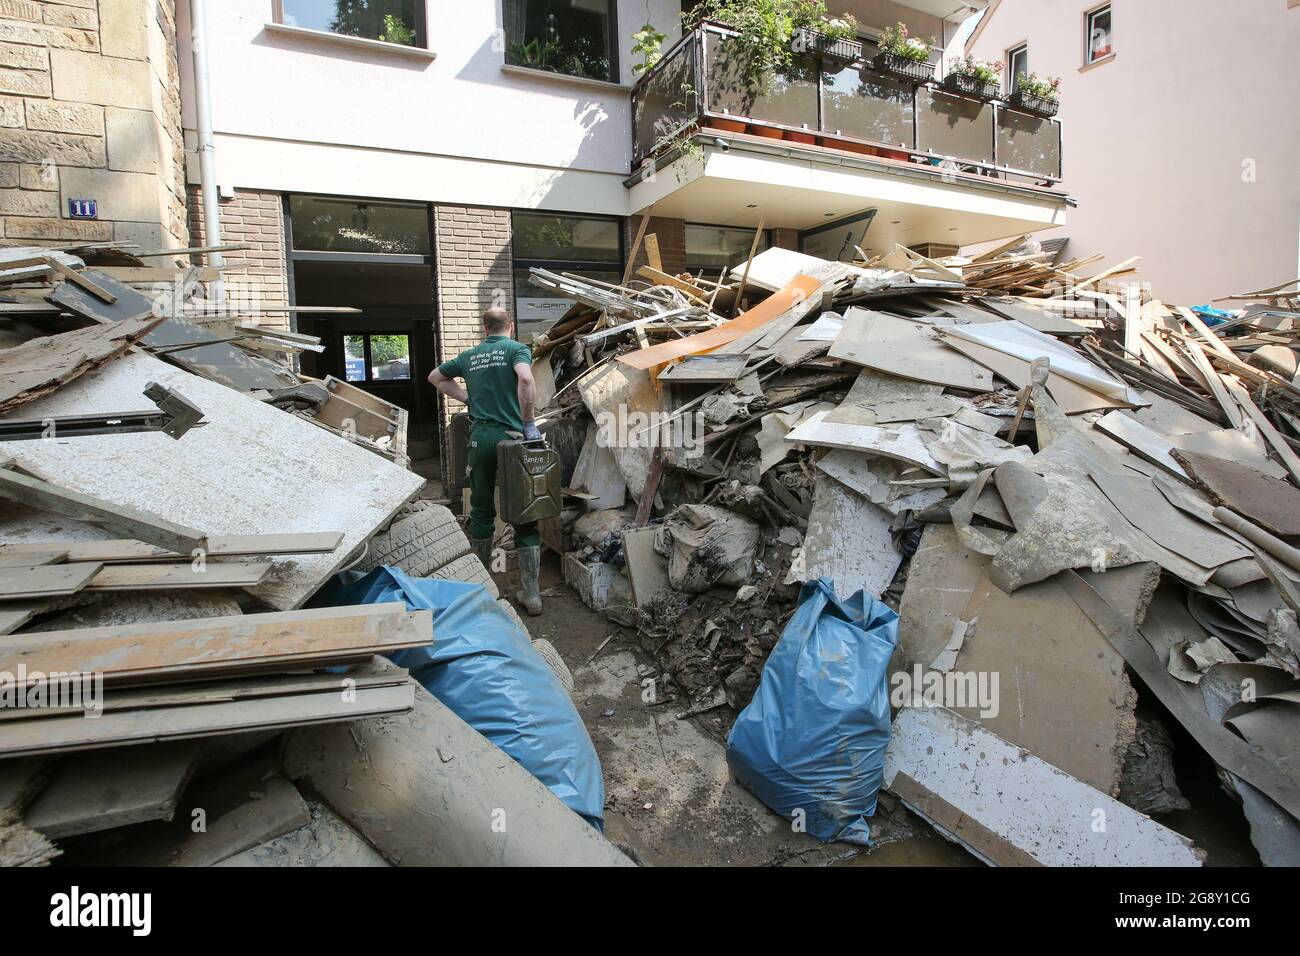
{"x": 90, "y": 109}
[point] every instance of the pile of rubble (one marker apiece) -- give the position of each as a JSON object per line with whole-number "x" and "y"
{"x": 172, "y": 498}
{"x": 1082, "y": 502}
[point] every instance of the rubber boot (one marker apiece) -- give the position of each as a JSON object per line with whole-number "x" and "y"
{"x": 530, "y": 566}
{"x": 483, "y": 548}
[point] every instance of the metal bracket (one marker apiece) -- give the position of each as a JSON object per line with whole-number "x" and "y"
{"x": 175, "y": 416}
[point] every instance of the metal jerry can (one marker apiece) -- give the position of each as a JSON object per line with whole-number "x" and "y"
{"x": 528, "y": 477}
{"x": 458, "y": 452}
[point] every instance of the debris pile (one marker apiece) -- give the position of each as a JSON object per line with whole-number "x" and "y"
{"x": 172, "y": 496}
{"x": 1081, "y": 501}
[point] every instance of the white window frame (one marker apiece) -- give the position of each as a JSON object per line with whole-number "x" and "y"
{"x": 1011, "y": 54}
{"x": 1088, "y": 18}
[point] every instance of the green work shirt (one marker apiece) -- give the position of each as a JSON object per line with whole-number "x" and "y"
{"x": 489, "y": 373}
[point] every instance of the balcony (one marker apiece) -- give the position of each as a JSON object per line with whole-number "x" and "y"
{"x": 827, "y": 115}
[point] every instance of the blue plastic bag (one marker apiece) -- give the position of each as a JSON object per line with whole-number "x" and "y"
{"x": 486, "y": 671}
{"x": 811, "y": 744}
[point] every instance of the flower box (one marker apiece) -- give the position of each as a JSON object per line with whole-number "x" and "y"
{"x": 901, "y": 66}
{"x": 972, "y": 86}
{"x": 827, "y": 47}
{"x": 1032, "y": 103}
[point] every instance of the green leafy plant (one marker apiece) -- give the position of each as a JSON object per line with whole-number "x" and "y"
{"x": 537, "y": 53}
{"x": 982, "y": 71}
{"x": 765, "y": 28}
{"x": 388, "y": 348}
{"x": 897, "y": 41}
{"x": 647, "y": 44}
{"x": 396, "y": 30}
{"x": 1046, "y": 87}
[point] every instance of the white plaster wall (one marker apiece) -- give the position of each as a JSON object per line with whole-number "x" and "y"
{"x": 1157, "y": 140}
{"x": 269, "y": 88}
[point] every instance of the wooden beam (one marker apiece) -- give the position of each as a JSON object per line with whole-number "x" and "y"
{"x": 120, "y": 518}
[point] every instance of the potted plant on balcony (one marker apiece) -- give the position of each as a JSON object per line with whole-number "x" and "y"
{"x": 904, "y": 55}
{"x": 766, "y": 31}
{"x": 840, "y": 49}
{"x": 981, "y": 79}
{"x": 1034, "y": 94}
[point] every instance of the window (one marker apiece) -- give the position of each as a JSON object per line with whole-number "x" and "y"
{"x": 583, "y": 245}
{"x": 710, "y": 248}
{"x": 393, "y": 21}
{"x": 1017, "y": 65}
{"x": 322, "y": 224}
{"x": 377, "y": 357}
{"x": 1099, "y": 35}
{"x": 573, "y": 37}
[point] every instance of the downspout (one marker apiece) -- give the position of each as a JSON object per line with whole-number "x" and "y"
{"x": 207, "y": 150}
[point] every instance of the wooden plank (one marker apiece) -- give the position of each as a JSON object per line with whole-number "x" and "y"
{"x": 636, "y": 244}
{"x": 800, "y": 297}
{"x": 73, "y": 733}
{"x": 18, "y": 556}
{"x": 77, "y": 278}
{"x": 52, "y": 580}
{"x": 146, "y": 275}
{"x": 191, "y": 649}
{"x": 658, "y": 277}
{"x": 116, "y": 517}
{"x": 278, "y": 811}
{"x": 42, "y": 365}
{"x": 107, "y": 789}
{"x": 167, "y": 577}
{"x": 646, "y": 568}
{"x": 119, "y": 550}
{"x": 744, "y": 276}
{"x": 1271, "y": 435}
{"x": 14, "y": 614}
{"x": 706, "y": 369}
{"x": 652, "y": 253}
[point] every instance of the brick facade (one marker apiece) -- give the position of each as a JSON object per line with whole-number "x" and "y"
{"x": 671, "y": 234}
{"x": 786, "y": 239}
{"x": 258, "y": 275}
{"x": 90, "y": 109}
{"x": 473, "y": 264}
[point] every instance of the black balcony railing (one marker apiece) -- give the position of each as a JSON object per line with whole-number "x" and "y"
{"x": 701, "y": 83}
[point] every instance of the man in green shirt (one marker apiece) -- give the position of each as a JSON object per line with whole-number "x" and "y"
{"x": 500, "y": 392}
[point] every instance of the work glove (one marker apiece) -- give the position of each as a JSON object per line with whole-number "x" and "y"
{"x": 531, "y": 432}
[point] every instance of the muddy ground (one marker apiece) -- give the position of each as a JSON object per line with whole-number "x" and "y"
{"x": 669, "y": 797}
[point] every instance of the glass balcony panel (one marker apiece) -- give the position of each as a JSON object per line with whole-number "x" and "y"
{"x": 954, "y": 126}
{"x": 666, "y": 100}
{"x": 866, "y": 105}
{"x": 789, "y": 100}
{"x": 1029, "y": 143}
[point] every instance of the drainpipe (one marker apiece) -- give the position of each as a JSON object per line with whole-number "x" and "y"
{"x": 207, "y": 151}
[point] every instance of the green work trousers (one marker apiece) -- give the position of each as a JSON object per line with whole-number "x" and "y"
{"x": 483, "y": 440}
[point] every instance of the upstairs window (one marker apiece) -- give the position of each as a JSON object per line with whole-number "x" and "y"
{"x": 573, "y": 37}
{"x": 392, "y": 21}
{"x": 1017, "y": 65}
{"x": 1099, "y": 41}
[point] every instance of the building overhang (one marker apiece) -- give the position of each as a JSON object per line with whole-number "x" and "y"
{"x": 735, "y": 182}
{"x": 946, "y": 9}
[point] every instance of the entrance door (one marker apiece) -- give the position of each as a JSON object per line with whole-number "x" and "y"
{"x": 374, "y": 257}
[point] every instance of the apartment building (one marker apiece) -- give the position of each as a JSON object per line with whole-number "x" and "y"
{"x": 1183, "y": 132}
{"x": 413, "y": 159}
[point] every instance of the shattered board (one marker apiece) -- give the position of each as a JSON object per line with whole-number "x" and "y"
{"x": 619, "y": 397}
{"x": 252, "y": 469}
{"x": 848, "y": 542}
{"x": 1011, "y": 808}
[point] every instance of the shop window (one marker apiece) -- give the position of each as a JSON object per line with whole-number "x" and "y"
{"x": 585, "y": 246}
{"x": 710, "y": 248}
{"x": 1100, "y": 41}
{"x": 322, "y": 224}
{"x": 377, "y": 357}
{"x": 393, "y": 21}
{"x": 573, "y": 37}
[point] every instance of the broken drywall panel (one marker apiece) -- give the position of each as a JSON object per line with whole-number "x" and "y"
{"x": 940, "y": 581}
{"x": 1019, "y": 340}
{"x": 1011, "y": 808}
{"x": 251, "y": 470}
{"x": 597, "y": 473}
{"x": 872, "y": 390}
{"x": 848, "y": 542}
{"x": 623, "y": 402}
{"x": 1267, "y": 500}
{"x": 646, "y": 567}
{"x": 871, "y": 477}
{"x": 903, "y": 444}
{"x": 908, "y": 349}
{"x": 325, "y": 841}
